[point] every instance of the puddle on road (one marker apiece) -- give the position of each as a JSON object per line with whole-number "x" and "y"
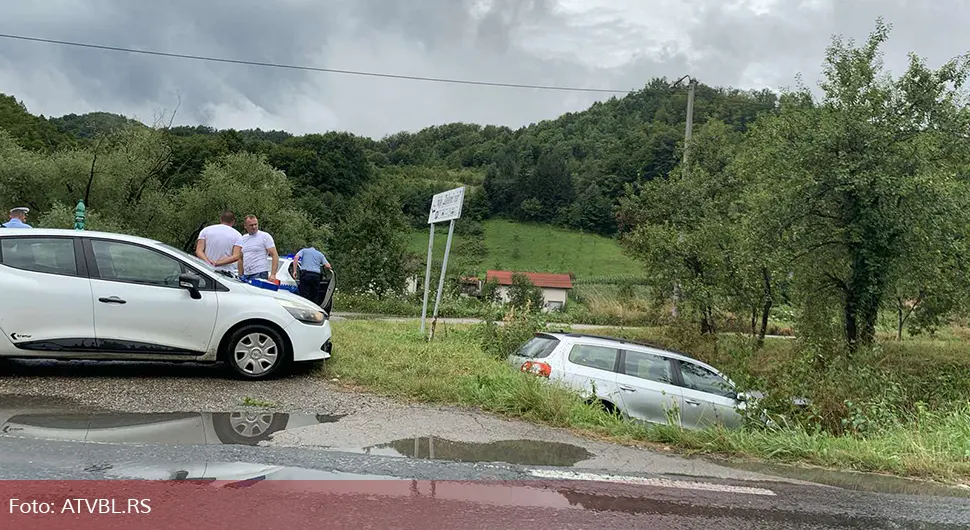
{"x": 864, "y": 482}
{"x": 43, "y": 418}
{"x": 523, "y": 452}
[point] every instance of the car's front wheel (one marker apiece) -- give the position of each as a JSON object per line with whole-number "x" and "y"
{"x": 255, "y": 352}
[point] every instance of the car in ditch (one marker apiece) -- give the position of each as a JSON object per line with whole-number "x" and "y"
{"x": 107, "y": 296}
{"x": 639, "y": 381}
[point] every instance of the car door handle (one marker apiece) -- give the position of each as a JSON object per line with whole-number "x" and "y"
{"x": 692, "y": 402}
{"x": 111, "y": 300}
{"x": 627, "y": 388}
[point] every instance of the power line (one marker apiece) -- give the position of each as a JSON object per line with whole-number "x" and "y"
{"x": 313, "y": 69}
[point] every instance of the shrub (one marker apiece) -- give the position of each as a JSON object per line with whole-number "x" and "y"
{"x": 523, "y": 293}
{"x": 518, "y": 326}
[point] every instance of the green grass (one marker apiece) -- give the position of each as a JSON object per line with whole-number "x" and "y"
{"x": 537, "y": 248}
{"x": 394, "y": 359}
{"x": 259, "y": 403}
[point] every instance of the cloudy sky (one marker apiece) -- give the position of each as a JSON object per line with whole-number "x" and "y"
{"x": 606, "y": 44}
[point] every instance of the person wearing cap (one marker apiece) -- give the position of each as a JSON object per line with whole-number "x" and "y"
{"x": 17, "y": 217}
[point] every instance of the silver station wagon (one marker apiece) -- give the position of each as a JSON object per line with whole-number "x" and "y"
{"x": 641, "y": 382}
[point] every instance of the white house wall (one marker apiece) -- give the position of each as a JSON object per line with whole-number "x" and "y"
{"x": 550, "y": 295}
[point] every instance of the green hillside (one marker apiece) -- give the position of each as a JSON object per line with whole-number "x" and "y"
{"x": 533, "y": 248}
{"x": 90, "y": 125}
{"x": 30, "y": 131}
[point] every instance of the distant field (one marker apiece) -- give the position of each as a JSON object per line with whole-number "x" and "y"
{"x": 536, "y": 248}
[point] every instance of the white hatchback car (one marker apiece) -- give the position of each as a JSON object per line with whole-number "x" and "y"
{"x": 641, "y": 382}
{"x": 72, "y": 294}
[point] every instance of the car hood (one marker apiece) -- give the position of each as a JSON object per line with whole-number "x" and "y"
{"x": 282, "y": 294}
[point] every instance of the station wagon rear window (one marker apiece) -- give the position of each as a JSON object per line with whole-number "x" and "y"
{"x": 591, "y": 356}
{"x": 538, "y": 347}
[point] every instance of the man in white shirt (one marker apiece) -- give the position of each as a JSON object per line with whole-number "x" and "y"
{"x": 253, "y": 248}
{"x": 216, "y": 242}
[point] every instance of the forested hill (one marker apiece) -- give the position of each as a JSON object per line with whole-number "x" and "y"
{"x": 31, "y": 132}
{"x": 568, "y": 171}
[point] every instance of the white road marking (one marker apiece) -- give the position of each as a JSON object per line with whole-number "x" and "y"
{"x": 656, "y": 482}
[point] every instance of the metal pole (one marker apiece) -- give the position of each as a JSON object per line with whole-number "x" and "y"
{"x": 444, "y": 269}
{"x": 427, "y": 279}
{"x": 688, "y": 130}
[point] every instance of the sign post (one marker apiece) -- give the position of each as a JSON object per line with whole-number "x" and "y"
{"x": 445, "y": 206}
{"x": 427, "y": 277}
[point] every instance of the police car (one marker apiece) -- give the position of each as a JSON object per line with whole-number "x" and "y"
{"x": 287, "y": 282}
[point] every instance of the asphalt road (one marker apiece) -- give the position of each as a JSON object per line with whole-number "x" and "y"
{"x": 125, "y": 420}
{"x": 465, "y": 495}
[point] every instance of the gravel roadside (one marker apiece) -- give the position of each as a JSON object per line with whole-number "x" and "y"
{"x": 166, "y": 387}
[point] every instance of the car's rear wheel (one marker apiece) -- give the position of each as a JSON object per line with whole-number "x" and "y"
{"x": 255, "y": 351}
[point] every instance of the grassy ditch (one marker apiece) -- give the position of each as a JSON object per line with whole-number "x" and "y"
{"x": 930, "y": 439}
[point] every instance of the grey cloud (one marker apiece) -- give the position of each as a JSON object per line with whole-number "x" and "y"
{"x": 530, "y": 41}
{"x": 792, "y": 38}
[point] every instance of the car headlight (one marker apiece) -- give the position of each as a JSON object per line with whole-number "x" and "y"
{"x": 303, "y": 313}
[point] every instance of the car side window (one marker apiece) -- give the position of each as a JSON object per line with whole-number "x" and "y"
{"x": 50, "y": 255}
{"x": 591, "y": 356}
{"x": 648, "y": 366}
{"x": 124, "y": 262}
{"x": 703, "y": 380}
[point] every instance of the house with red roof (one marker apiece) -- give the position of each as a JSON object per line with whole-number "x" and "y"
{"x": 555, "y": 287}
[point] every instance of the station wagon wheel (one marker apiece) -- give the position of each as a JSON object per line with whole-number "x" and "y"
{"x": 255, "y": 352}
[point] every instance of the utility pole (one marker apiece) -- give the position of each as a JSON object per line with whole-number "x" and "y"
{"x": 688, "y": 130}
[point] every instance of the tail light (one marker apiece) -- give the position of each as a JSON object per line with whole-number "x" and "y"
{"x": 536, "y": 368}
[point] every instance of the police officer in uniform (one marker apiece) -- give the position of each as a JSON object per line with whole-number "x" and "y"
{"x": 18, "y": 216}
{"x": 311, "y": 263}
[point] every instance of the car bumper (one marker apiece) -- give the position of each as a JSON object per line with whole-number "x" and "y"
{"x": 310, "y": 343}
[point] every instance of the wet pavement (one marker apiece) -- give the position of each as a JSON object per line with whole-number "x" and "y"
{"x": 401, "y": 492}
{"x": 854, "y": 481}
{"x": 166, "y": 423}
{"x": 531, "y": 452}
{"x": 473, "y": 440}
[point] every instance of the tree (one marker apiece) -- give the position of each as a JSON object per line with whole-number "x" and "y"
{"x": 29, "y": 131}
{"x": 592, "y": 211}
{"x": 327, "y": 163}
{"x": 245, "y": 183}
{"x": 928, "y": 283}
{"x": 121, "y": 178}
{"x": 861, "y": 176}
{"x": 524, "y": 295}
{"x": 370, "y": 250}
{"x": 683, "y": 228}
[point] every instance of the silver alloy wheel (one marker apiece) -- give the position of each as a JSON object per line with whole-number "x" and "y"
{"x": 250, "y": 424}
{"x": 256, "y": 353}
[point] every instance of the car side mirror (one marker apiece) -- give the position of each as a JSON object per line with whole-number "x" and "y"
{"x": 191, "y": 282}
